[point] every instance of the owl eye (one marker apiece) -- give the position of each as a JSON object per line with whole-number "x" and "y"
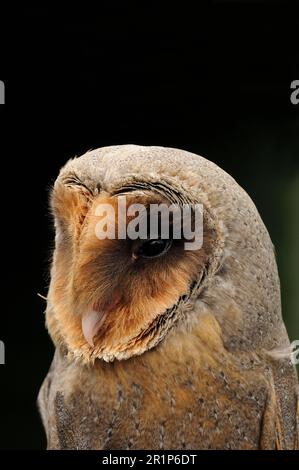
{"x": 153, "y": 248}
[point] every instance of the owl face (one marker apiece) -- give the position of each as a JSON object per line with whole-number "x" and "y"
{"x": 113, "y": 298}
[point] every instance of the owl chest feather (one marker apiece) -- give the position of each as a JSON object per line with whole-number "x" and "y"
{"x": 176, "y": 397}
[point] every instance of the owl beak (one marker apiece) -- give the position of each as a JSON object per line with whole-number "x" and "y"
{"x": 93, "y": 318}
{"x": 91, "y": 323}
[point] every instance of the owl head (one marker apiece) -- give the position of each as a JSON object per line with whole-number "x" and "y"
{"x": 115, "y": 296}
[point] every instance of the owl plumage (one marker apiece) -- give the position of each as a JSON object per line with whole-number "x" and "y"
{"x": 182, "y": 350}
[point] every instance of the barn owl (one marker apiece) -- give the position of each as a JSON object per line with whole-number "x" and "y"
{"x": 158, "y": 347}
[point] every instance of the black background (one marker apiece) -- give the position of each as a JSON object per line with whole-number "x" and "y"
{"x": 212, "y": 78}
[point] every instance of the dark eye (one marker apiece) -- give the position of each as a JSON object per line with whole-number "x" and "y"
{"x": 153, "y": 248}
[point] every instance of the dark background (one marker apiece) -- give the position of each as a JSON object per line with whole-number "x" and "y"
{"x": 212, "y": 79}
